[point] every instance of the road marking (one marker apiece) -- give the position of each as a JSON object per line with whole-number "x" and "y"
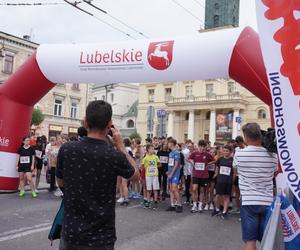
{"x": 18, "y": 233}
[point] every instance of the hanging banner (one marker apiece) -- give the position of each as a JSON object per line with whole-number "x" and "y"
{"x": 279, "y": 29}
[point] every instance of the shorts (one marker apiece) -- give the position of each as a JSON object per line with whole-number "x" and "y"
{"x": 152, "y": 183}
{"x": 24, "y": 169}
{"x": 210, "y": 176}
{"x": 201, "y": 182}
{"x": 39, "y": 165}
{"x": 236, "y": 181}
{"x": 252, "y": 221}
{"x": 224, "y": 188}
{"x": 174, "y": 180}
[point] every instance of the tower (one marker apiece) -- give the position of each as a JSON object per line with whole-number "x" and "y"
{"x": 220, "y": 13}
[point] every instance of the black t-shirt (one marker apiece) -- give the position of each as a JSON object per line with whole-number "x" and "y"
{"x": 225, "y": 174}
{"x": 26, "y": 156}
{"x": 163, "y": 157}
{"x": 89, "y": 169}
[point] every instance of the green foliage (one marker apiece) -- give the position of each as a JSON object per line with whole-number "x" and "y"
{"x": 37, "y": 117}
{"x": 135, "y": 135}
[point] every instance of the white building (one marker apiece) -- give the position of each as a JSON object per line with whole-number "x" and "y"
{"x": 124, "y": 100}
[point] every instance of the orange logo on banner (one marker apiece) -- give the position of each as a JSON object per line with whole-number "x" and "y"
{"x": 160, "y": 54}
{"x": 289, "y": 38}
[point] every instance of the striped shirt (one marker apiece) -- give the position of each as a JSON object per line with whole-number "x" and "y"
{"x": 256, "y": 168}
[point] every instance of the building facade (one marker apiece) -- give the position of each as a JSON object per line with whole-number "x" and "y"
{"x": 213, "y": 110}
{"x": 123, "y": 98}
{"x": 63, "y": 107}
{"x": 219, "y": 13}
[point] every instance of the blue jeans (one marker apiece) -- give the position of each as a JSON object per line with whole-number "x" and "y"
{"x": 253, "y": 221}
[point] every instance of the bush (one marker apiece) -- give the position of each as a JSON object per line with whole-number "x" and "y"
{"x": 37, "y": 117}
{"x": 135, "y": 135}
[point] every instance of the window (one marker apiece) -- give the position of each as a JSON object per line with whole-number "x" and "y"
{"x": 209, "y": 89}
{"x": 262, "y": 114}
{"x": 58, "y": 107}
{"x": 74, "y": 110}
{"x": 216, "y": 20}
{"x": 8, "y": 64}
{"x": 189, "y": 90}
{"x": 187, "y": 116}
{"x": 75, "y": 86}
{"x": 111, "y": 97}
{"x": 168, "y": 93}
{"x": 230, "y": 88}
{"x": 207, "y": 115}
{"x": 130, "y": 124}
{"x": 151, "y": 95}
{"x": 217, "y": 6}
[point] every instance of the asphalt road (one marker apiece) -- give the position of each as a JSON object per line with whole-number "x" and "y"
{"x": 25, "y": 223}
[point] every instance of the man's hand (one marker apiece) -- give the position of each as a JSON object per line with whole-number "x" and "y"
{"x": 118, "y": 140}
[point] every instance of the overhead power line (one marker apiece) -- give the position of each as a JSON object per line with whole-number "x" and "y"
{"x": 99, "y": 19}
{"x": 29, "y": 4}
{"x": 199, "y": 4}
{"x": 89, "y": 2}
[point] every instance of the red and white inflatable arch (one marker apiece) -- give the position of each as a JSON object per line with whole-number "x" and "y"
{"x": 220, "y": 54}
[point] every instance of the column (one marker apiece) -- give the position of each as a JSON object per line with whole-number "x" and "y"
{"x": 170, "y": 124}
{"x": 191, "y": 125}
{"x": 235, "y": 125}
{"x": 212, "y": 127}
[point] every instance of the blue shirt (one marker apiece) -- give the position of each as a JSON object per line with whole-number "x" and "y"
{"x": 174, "y": 157}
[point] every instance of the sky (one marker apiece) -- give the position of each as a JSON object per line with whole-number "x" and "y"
{"x": 64, "y": 24}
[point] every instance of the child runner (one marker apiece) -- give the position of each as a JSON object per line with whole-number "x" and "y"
{"x": 200, "y": 159}
{"x": 150, "y": 163}
{"x": 25, "y": 165}
{"x": 174, "y": 177}
{"x": 224, "y": 173}
{"x": 39, "y": 155}
{"x": 163, "y": 155}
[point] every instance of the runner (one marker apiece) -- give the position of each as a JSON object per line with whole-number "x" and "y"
{"x": 150, "y": 163}
{"x": 225, "y": 176}
{"x": 39, "y": 156}
{"x": 25, "y": 166}
{"x": 52, "y": 161}
{"x": 187, "y": 170}
{"x": 212, "y": 180}
{"x": 200, "y": 160}
{"x": 163, "y": 155}
{"x": 174, "y": 177}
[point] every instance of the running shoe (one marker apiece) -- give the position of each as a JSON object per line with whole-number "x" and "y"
{"x": 211, "y": 207}
{"x": 120, "y": 200}
{"x": 194, "y": 209}
{"x": 224, "y": 216}
{"x": 200, "y": 208}
{"x": 37, "y": 191}
{"x": 155, "y": 206}
{"x": 171, "y": 209}
{"x": 215, "y": 213}
{"x": 179, "y": 209}
{"x": 22, "y": 193}
{"x": 58, "y": 193}
{"x": 206, "y": 207}
{"x": 124, "y": 203}
{"x": 147, "y": 205}
{"x": 34, "y": 195}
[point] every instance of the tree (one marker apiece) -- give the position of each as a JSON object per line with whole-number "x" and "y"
{"x": 135, "y": 135}
{"x": 37, "y": 117}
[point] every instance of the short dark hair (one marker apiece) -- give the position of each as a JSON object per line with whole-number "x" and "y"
{"x": 239, "y": 139}
{"x": 173, "y": 141}
{"x": 252, "y": 131}
{"x": 138, "y": 141}
{"x": 228, "y": 147}
{"x": 148, "y": 146}
{"x": 202, "y": 143}
{"x": 127, "y": 142}
{"x": 82, "y": 131}
{"x": 98, "y": 115}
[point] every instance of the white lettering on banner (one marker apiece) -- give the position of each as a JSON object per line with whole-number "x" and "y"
{"x": 4, "y": 141}
{"x": 225, "y": 170}
{"x": 8, "y": 159}
{"x": 290, "y": 223}
{"x": 280, "y": 54}
{"x": 199, "y": 166}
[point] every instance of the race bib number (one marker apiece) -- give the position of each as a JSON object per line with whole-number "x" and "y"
{"x": 211, "y": 167}
{"x": 24, "y": 159}
{"x": 152, "y": 171}
{"x": 164, "y": 159}
{"x": 225, "y": 170}
{"x": 171, "y": 162}
{"x": 38, "y": 153}
{"x": 200, "y": 166}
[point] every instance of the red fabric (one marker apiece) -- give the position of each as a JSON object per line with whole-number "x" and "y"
{"x": 199, "y": 157}
{"x": 8, "y": 183}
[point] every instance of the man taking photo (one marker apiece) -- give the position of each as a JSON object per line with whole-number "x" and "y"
{"x": 87, "y": 170}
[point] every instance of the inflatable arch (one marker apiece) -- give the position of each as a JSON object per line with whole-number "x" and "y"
{"x": 226, "y": 53}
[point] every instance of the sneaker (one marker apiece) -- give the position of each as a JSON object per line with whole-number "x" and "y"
{"x": 120, "y": 200}
{"x": 155, "y": 206}
{"x": 37, "y": 191}
{"x": 211, "y": 206}
{"x": 58, "y": 193}
{"x": 215, "y": 213}
{"x": 194, "y": 209}
{"x": 200, "y": 208}
{"x": 22, "y": 193}
{"x": 179, "y": 209}
{"x": 171, "y": 209}
{"x": 206, "y": 207}
{"x": 34, "y": 195}
{"x": 224, "y": 216}
{"x": 124, "y": 203}
{"x": 235, "y": 211}
{"x": 186, "y": 203}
